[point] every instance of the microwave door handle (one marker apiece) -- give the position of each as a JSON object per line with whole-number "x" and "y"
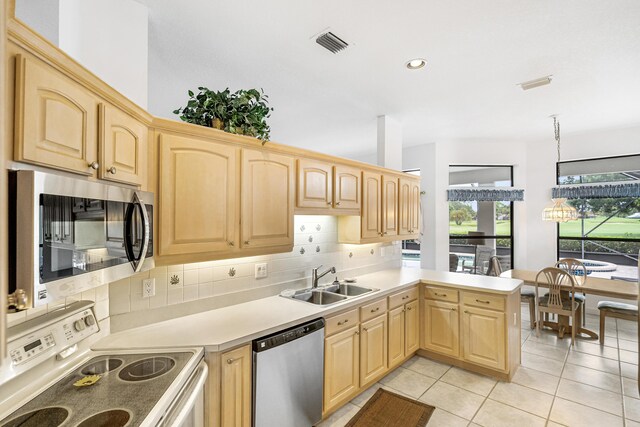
{"x": 136, "y": 261}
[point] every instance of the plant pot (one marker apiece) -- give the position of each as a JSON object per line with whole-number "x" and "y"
{"x": 217, "y": 124}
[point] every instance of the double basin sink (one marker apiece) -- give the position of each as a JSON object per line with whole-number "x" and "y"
{"x": 330, "y": 294}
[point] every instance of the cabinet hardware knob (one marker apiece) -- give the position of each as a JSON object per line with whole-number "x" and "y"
{"x": 231, "y": 243}
{"x": 343, "y": 322}
{"x": 329, "y": 203}
{"x": 409, "y": 308}
{"x": 405, "y": 297}
{"x": 94, "y": 165}
{"x": 337, "y": 203}
{"x": 365, "y": 329}
{"x": 384, "y": 232}
{"x": 404, "y": 310}
{"x": 454, "y": 309}
{"x": 112, "y": 170}
{"x": 246, "y": 242}
{"x": 466, "y": 312}
{"x": 357, "y": 333}
{"x": 374, "y": 310}
{"x": 440, "y": 295}
{"x": 230, "y": 361}
{"x": 483, "y": 301}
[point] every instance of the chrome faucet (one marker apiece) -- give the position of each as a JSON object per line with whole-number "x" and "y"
{"x": 315, "y": 276}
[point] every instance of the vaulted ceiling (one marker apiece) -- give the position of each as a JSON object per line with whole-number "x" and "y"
{"x": 477, "y": 52}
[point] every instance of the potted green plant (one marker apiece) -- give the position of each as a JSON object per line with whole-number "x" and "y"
{"x": 243, "y": 112}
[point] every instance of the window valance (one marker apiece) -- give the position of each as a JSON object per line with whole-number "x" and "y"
{"x": 485, "y": 195}
{"x": 597, "y": 191}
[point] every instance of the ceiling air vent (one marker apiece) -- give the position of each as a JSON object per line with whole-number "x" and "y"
{"x": 331, "y": 42}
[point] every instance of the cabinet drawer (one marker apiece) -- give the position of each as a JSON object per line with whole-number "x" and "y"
{"x": 396, "y": 300}
{"x": 341, "y": 322}
{"x": 492, "y": 302}
{"x": 441, "y": 294}
{"x": 372, "y": 310}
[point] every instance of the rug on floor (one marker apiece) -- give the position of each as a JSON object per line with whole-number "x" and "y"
{"x": 389, "y": 409}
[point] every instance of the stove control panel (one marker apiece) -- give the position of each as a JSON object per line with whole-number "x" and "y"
{"x": 53, "y": 338}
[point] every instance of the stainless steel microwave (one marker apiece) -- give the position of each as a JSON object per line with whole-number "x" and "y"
{"x": 68, "y": 235}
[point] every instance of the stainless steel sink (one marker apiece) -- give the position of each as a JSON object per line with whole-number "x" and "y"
{"x": 318, "y": 297}
{"x": 348, "y": 290}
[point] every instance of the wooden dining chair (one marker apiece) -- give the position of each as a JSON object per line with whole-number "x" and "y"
{"x": 554, "y": 302}
{"x": 579, "y": 272}
{"x": 494, "y": 269}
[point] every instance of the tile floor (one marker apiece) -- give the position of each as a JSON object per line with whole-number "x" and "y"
{"x": 587, "y": 385}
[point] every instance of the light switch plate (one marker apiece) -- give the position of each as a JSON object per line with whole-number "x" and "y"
{"x": 261, "y": 270}
{"x": 148, "y": 288}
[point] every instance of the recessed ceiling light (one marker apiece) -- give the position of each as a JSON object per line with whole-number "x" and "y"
{"x": 416, "y": 63}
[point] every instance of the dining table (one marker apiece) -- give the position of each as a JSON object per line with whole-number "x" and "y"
{"x": 610, "y": 288}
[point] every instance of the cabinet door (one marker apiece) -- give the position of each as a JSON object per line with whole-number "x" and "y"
{"x": 396, "y": 336}
{"x": 415, "y": 213}
{"x": 56, "y": 119}
{"x": 441, "y": 328}
{"x": 389, "y": 206}
{"x": 371, "y": 205}
{"x": 198, "y": 188}
{"x": 412, "y": 328}
{"x": 346, "y": 188}
{"x": 123, "y": 147}
{"x": 373, "y": 349}
{"x": 483, "y": 337}
{"x": 404, "y": 207}
{"x": 267, "y": 199}
{"x": 315, "y": 184}
{"x": 341, "y": 362}
{"x": 235, "y": 404}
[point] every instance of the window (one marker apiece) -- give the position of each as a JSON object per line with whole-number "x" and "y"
{"x": 607, "y": 234}
{"x": 411, "y": 248}
{"x": 479, "y": 230}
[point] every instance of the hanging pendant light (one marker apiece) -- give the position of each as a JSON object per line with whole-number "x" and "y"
{"x": 560, "y": 211}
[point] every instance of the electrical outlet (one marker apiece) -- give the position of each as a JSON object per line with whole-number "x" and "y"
{"x": 261, "y": 270}
{"x": 383, "y": 251}
{"x": 148, "y": 288}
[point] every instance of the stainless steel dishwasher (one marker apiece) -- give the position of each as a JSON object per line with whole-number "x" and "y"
{"x": 288, "y": 370}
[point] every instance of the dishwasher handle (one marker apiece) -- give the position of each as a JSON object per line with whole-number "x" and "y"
{"x": 288, "y": 335}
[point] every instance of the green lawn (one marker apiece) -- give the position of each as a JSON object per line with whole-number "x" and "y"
{"x": 503, "y": 228}
{"x": 614, "y": 228}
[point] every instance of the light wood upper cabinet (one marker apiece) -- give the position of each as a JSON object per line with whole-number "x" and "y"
{"x": 235, "y": 404}
{"x": 441, "y": 327}
{"x": 371, "y": 205}
{"x": 409, "y": 207}
{"x": 483, "y": 337}
{"x": 267, "y": 199}
{"x": 389, "y": 206}
{"x": 412, "y": 327}
{"x": 373, "y": 349}
{"x": 341, "y": 367}
{"x": 396, "y": 336}
{"x": 315, "y": 184}
{"x": 123, "y": 147}
{"x": 346, "y": 188}
{"x": 198, "y": 185}
{"x": 415, "y": 212}
{"x": 56, "y": 119}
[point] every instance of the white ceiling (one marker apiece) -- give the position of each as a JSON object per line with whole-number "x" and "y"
{"x": 477, "y": 52}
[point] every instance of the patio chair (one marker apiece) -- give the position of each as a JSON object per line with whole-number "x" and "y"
{"x": 481, "y": 260}
{"x": 494, "y": 269}
{"x": 453, "y": 262}
{"x": 553, "y": 302}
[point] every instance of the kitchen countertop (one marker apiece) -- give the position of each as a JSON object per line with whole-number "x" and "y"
{"x": 227, "y": 327}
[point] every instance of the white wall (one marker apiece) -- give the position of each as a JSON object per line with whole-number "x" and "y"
{"x": 40, "y": 15}
{"x": 534, "y": 170}
{"x": 110, "y": 38}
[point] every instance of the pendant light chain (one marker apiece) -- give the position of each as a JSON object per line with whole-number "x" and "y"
{"x": 556, "y": 129}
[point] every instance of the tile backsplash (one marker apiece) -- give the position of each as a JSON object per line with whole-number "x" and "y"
{"x": 200, "y": 286}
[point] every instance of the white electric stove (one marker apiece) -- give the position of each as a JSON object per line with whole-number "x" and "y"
{"x": 52, "y": 378}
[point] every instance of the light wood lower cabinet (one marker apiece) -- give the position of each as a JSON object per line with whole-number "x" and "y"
{"x": 441, "y": 327}
{"x": 488, "y": 340}
{"x": 235, "y": 402}
{"x": 373, "y": 350}
{"x": 412, "y": 328}
{"x": 483, "y": 337}
{"x": 397, "y": 320}
{"x": 341, "y": 367}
